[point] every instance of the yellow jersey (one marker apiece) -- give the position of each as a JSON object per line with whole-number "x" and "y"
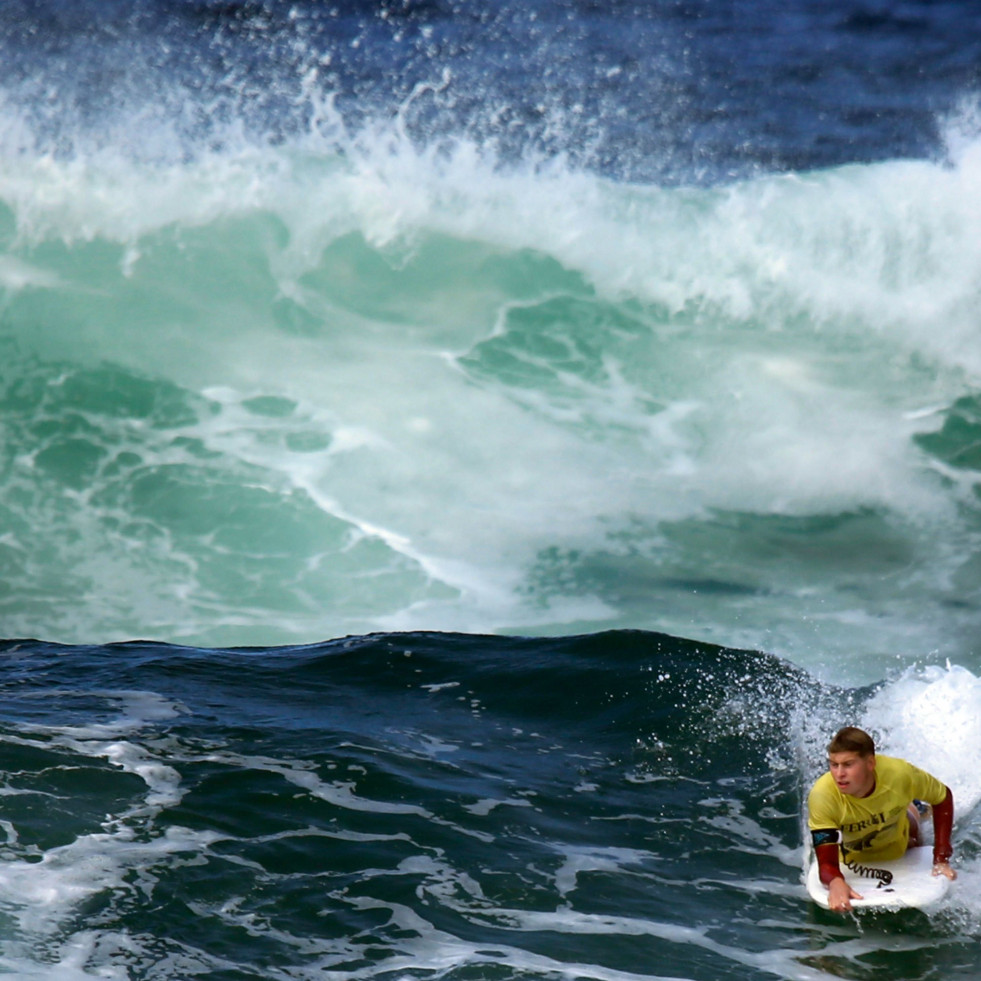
{"x": 873, "y": 827}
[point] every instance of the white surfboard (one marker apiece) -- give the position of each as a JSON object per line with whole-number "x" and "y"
{"x": 900, "y": 884}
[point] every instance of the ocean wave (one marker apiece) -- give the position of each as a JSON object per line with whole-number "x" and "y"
{"x": 251, "y": 395}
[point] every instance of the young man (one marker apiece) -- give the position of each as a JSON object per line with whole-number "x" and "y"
{"x": 864, "y": 805}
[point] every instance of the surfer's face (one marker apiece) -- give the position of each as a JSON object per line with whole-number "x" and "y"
{"x": 852, "y": 774}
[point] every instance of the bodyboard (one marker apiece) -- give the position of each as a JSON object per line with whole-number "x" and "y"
{"x": 900, "y": 884}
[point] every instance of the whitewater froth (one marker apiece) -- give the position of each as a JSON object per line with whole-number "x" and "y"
{"x": 506, "y": 395}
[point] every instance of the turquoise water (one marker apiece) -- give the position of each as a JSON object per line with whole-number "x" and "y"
{"x": 269, "y": 396}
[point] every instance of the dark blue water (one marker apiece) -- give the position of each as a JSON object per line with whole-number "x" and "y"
{"x": 640, "y": 91}
{"x": 522, "y": 433}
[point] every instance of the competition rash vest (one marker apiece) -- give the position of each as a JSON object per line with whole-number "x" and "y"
{"x": 873, "y": 827}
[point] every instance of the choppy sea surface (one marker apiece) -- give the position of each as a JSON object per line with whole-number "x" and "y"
{"x": 458, "y": 464}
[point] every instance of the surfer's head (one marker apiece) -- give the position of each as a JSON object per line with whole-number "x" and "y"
{"x": 851, "y": 760}
{"x": 852, "y": 740}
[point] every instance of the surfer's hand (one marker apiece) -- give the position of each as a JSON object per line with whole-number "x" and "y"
{"x": 840, "y": 895}
{"x": 943, "y": 868}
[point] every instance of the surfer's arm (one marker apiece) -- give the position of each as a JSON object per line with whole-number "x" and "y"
{"x": 840, "y": 894}
{"x": 943, "y": 823}
{"x": 827, "y": 859}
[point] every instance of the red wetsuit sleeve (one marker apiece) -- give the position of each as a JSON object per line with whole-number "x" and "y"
{"x": 943, "y": 822}
{"x": 827, "y": 859}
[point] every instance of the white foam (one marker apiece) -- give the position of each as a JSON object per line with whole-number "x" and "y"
{"x": 579, "y": 860}
{"x": 40, "y": 889}
{"x": 339, "y": 793}
{"x": 885, "y": 249}
{"x": 483, "y": 807}
{"x": 40, "y": 895}
{"x": 932, "y": 717}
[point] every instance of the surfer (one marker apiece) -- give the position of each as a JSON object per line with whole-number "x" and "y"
{"x": 864, "y": 806}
